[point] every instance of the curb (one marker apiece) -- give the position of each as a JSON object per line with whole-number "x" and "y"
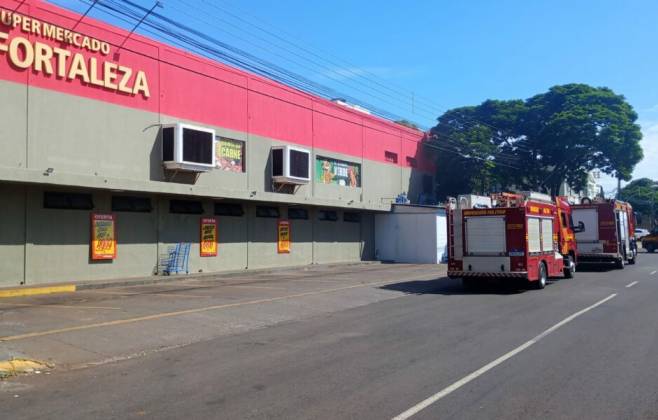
{"x": 15, "y": 367}
{"x": 33, "y": 291}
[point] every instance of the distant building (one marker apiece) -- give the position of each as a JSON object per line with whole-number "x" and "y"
{"x": 591, "y": 190}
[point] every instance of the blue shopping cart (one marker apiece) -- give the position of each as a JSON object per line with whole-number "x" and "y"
{"x": 176, "y": 259}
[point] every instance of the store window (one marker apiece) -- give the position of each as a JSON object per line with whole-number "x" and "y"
{"x": 131, "y": 204}
{"x": 229, "y": 209}
{"x": 391, "y": 157}
{"x": 298, "y": 214}
{"x": 267, "y": 211}
{"x": 185, "y": 207}
{"x": 67, "y": 201}
{"x": 352, "y": 217}
{"x": 328, "y": 215}
{"x": 230, "y": 155}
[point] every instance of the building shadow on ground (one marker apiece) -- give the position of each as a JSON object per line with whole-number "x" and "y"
{"x": 447, "y": 286}
{"x": 595, "y": 268}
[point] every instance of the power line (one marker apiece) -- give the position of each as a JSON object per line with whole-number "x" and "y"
{"x": 230, "y": 54}
{"x": 328, "y": 72}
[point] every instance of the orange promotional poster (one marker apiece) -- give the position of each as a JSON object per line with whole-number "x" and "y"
{"x": 283, "y": 244}
{"x": 208, "y": 237}
{"x": 103, "y": 237}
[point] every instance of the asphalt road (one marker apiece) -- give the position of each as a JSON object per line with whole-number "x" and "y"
{"x": 585, "y": 348}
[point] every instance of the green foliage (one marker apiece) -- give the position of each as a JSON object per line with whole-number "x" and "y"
{"x": 537, "y": 143}
{"x": 642, "y": 194}
{"x": 407, "y": 123}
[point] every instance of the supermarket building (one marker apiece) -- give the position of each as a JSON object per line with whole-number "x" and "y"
{"x": 111, "y": 157}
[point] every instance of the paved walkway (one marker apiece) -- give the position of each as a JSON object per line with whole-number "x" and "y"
{"x": 92, "y": 327}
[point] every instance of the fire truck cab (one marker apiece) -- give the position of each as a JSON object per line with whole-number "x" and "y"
{"x": 510, "y": 236}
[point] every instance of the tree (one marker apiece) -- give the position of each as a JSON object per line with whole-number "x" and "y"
{"x": 643, "y": 195}
{"x": 470, "y": 158}
{"x": 540, "y": 142}
{"x": 407, "y": 124}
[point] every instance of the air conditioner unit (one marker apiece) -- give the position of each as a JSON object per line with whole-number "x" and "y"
{"x": 291, "y": 165}
{"x": 188, "y": 148}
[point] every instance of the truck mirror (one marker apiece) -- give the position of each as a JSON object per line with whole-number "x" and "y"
{"x": 579, "y": 228}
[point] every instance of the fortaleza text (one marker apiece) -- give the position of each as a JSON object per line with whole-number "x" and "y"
{"x": 64, "y": 64}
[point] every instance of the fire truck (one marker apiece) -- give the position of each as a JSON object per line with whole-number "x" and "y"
{"x": 609, "y": 232}
{"x": 527, "y": 236}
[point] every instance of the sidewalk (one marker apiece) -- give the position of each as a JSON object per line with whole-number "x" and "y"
{"x": 67, "y": 287}
{"x": 98, "y": 325}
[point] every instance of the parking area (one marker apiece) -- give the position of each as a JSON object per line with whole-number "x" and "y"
{"x": 100, "y": 325}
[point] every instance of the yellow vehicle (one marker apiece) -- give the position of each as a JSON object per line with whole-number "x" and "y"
{"x": 650, "y": 241}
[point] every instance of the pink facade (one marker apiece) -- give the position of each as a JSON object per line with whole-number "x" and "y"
{"x": 189, "y": 87}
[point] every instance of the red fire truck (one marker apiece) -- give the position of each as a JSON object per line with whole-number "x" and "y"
{"x": 526, "y": 236}
{"x": 609, "y": 232}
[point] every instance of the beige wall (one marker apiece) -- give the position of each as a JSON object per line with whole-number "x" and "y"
{"x": 101, "y": 147}
{"x": 92, "y": 144}
{"x": 53, "y": 245}
{"x": 13, "y": 129}
{"x": 12, "y": 234}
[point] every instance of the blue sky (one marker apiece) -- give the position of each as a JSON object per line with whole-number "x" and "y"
{"x": 448, "y": 53}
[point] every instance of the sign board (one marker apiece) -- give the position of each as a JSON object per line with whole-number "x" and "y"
{"x": 283, "y": 235}
{"x": 208, "y": 241}
{"x": 229, "y": 155}
{"x": 337, "y": 172}
{"x": 42, "y": 47}
{"x": 103, "y": 237}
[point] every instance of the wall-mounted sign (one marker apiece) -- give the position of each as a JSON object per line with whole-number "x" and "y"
{"x": 229, "y": 155}
{"x": 338, "y": 172}
{"x": 103, "y": 237}
{"x": 29, "y": 53}
{"x": 283, "y": 234}
{"x": 208, "y": 244}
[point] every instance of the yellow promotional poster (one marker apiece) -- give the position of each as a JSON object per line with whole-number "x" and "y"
{"x": 230, "y": 155}
{"x": 283, "y": 245}
{"x": 103, "y": 237}
{"x": 208, "y": 237}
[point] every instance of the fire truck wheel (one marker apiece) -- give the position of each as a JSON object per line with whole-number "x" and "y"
{"x": 543, "y": 276}
{"x": 569, "y": 268}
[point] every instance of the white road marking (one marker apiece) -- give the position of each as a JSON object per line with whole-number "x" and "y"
{"x": 652, "y": 273}
{"x": 484, "y": 369}
{"x": 631, "y": 284}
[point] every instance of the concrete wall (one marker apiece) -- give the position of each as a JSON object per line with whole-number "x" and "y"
{"x": 65, "y": 134}
{"x": 39, "y": 245}
{"x": 12, "y": 234}
{"x": 94, "y": 144}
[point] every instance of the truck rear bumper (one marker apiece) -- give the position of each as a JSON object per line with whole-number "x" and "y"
{"x": 593, "y": 258}
{"x": 500, "y": 275}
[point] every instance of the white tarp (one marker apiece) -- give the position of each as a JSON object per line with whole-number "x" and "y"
{"x": 411, "y": 235}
